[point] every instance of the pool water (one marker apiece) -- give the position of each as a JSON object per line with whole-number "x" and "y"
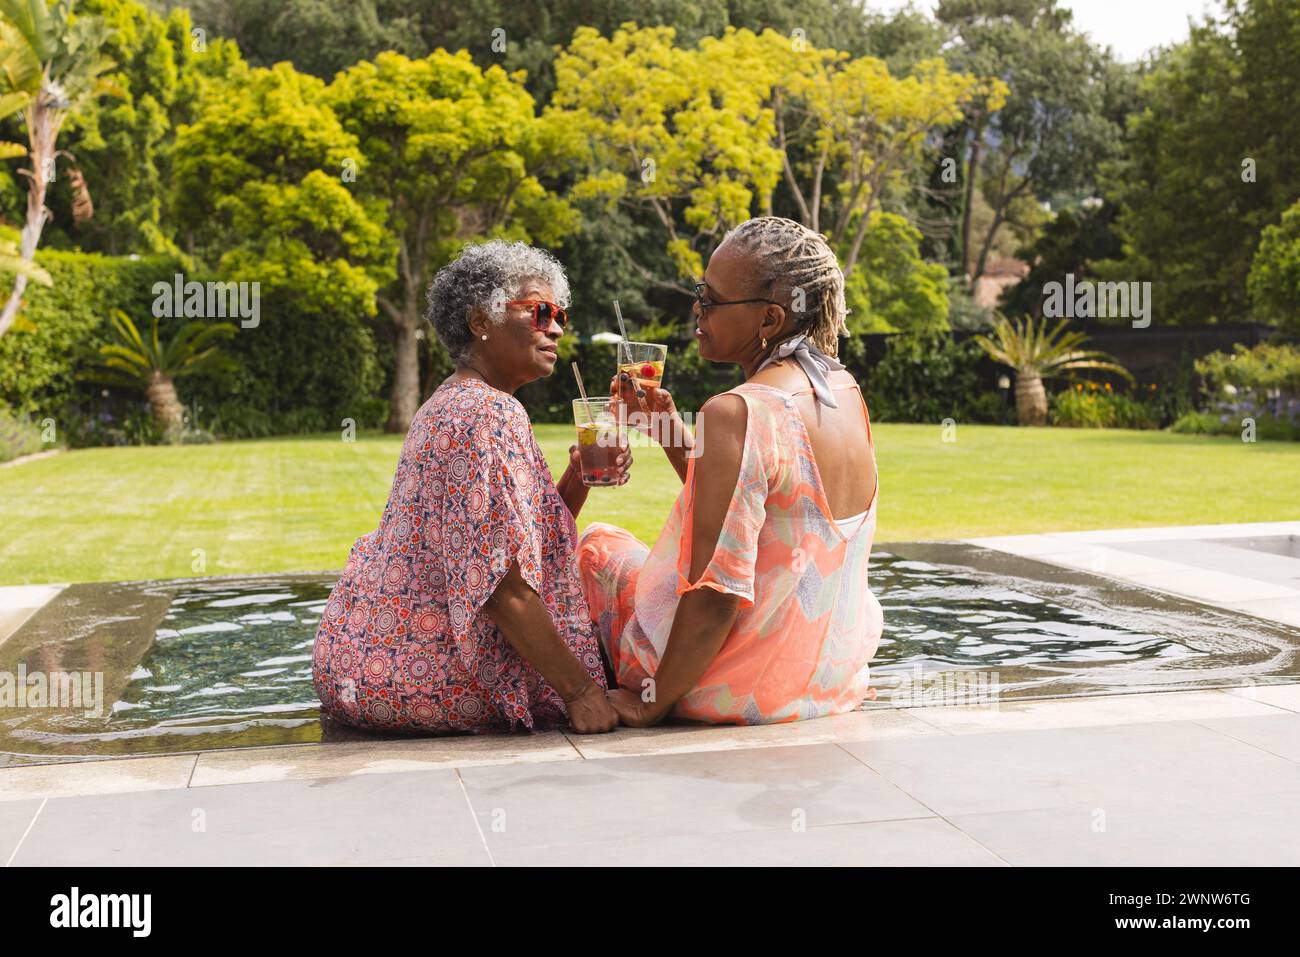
{"x": 228, "y": 650}
{"x": 213, "y": 663}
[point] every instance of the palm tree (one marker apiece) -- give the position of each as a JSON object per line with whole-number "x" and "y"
{"x": 134, "y": 362}
{"x": 1035, "y": 354}
{"x": 50, "y": 66}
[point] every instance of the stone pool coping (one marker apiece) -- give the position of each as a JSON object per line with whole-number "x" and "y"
{"x": 20, "y": 602}
{"x": 1102, "y": 553}
{"x": 348, "y": 759}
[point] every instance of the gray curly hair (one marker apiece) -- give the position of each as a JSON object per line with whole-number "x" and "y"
{"x": 485, "y": 275}
{"x": 790, "y": 257}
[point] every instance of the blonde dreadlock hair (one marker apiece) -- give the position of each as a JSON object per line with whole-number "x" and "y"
{"x": 790, "y": 257}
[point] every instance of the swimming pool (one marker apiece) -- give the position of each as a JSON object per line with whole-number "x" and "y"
{"x": 199, "y": 664}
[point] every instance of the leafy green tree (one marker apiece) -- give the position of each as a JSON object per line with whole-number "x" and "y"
{"x": 1211, "y": 161}
{"x": 259, "y": 186}
{"x": 681, "y": 136}
{"x": 895, "y": 290}
{"x": 450, "y": 150}
{"x": 319, "y": 37}
{"x": 259, "y": 183}
{"x": 50, "y": 61}
{"x": 699, "y": 138}
{"x": 1275, "y": 273}
{"x": 1055, "y": 127}
{"x": 867, "y": 130}
{"x": 505, "y": 33}
{"x": 125, "y": 142}
{"x": 1076, "y": 240}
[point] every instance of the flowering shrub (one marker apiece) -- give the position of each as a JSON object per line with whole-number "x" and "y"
{"x": 1093, "y": 406}
{"x": 1261, "y": 383}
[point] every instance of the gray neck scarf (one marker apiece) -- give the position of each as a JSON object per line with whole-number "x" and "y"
{"x": 814, "y": 363}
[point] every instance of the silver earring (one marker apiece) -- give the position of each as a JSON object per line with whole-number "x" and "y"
{"x": 765, "y": 342}
{"x": 484, "y": 337}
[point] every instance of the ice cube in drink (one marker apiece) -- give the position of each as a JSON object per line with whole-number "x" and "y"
{"x": 598, "y": 451}
{"x": 600, "y": 441}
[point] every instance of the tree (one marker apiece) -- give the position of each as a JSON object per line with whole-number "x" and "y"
{"x": 1076, "y": 240}
{"x": 1053, "y": 130}
{"x": 895, "y": 290}
{"x": 1034, "y": 352}
{"x": 699, "y": 139}
{"x": 272, "y": 31}
{"x": 514, "y": 36}
{"x": 132, "y": 361}
{"x": 51, "y": 60}
{"x": 1274, "y": 281}
{"x": 451, "y": 152}
{"x": 1210, "y": 161}
{"x": 866, "y": 130}
{"x": 259, "y": 185}
{"x": 125, "y": 142}
{"x": 680, "y": 136}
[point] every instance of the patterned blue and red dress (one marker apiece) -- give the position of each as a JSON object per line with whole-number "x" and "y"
{"x": 404, "y": 643}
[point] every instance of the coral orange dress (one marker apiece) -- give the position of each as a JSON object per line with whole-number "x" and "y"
{"x": 808, "y": 623}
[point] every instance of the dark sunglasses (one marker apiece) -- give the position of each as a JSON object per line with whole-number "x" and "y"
{"x": 702, "y": 288}
{"x": 543, "y": 313}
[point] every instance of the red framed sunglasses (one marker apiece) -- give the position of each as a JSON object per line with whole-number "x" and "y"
{"x": 543, "y": 313}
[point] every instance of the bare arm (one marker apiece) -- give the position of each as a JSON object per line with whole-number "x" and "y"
{"x": 704, "y": 616}
{"x": 528, "y": 628}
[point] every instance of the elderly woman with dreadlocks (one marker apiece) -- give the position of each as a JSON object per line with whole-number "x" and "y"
{"x": 753, "y": 605}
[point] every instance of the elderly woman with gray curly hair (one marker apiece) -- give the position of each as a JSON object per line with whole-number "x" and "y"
{"x": 464, "y": 610}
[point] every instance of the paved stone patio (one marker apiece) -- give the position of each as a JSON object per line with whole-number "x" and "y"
{"x": 1200, "y": 777}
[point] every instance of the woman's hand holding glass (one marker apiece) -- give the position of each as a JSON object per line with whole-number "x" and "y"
{"x": 650, "y": 410}
{"x": 622, "y": 465}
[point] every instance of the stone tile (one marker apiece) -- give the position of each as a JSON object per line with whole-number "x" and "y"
{"x": 1279, "y": 696}
{"x": 1218, "y": 588}
{"x": 15, "y": 816}
{"x": 676, "y": 795}
{"x": 28, "y": 597}
{"x": 1031, "y": 546}
{"x": 1277, "y": 734}
{"x": 1222, "y": 557}
{"x": 1090, "y": 711}
{"x": 354, "y": 820}
{"x": 1107, "y": 561}
{"x": 921, "y": 842}
{"x": 1285, "y": 610}
{"x": 1183, "y": 532}
{"x": 1194, "y": 831}
{"x": 677, "y": 739}
{"x": 337, "y": 760}
{"x": 96, "y": 777}
{"x": 1022, "y": 770}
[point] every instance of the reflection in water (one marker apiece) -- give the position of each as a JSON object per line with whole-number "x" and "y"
{"x": 227, "y": 652}
{"x": 950, "y": 617}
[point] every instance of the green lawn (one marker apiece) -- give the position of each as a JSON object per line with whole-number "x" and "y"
{"x": 297, "y": 504}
